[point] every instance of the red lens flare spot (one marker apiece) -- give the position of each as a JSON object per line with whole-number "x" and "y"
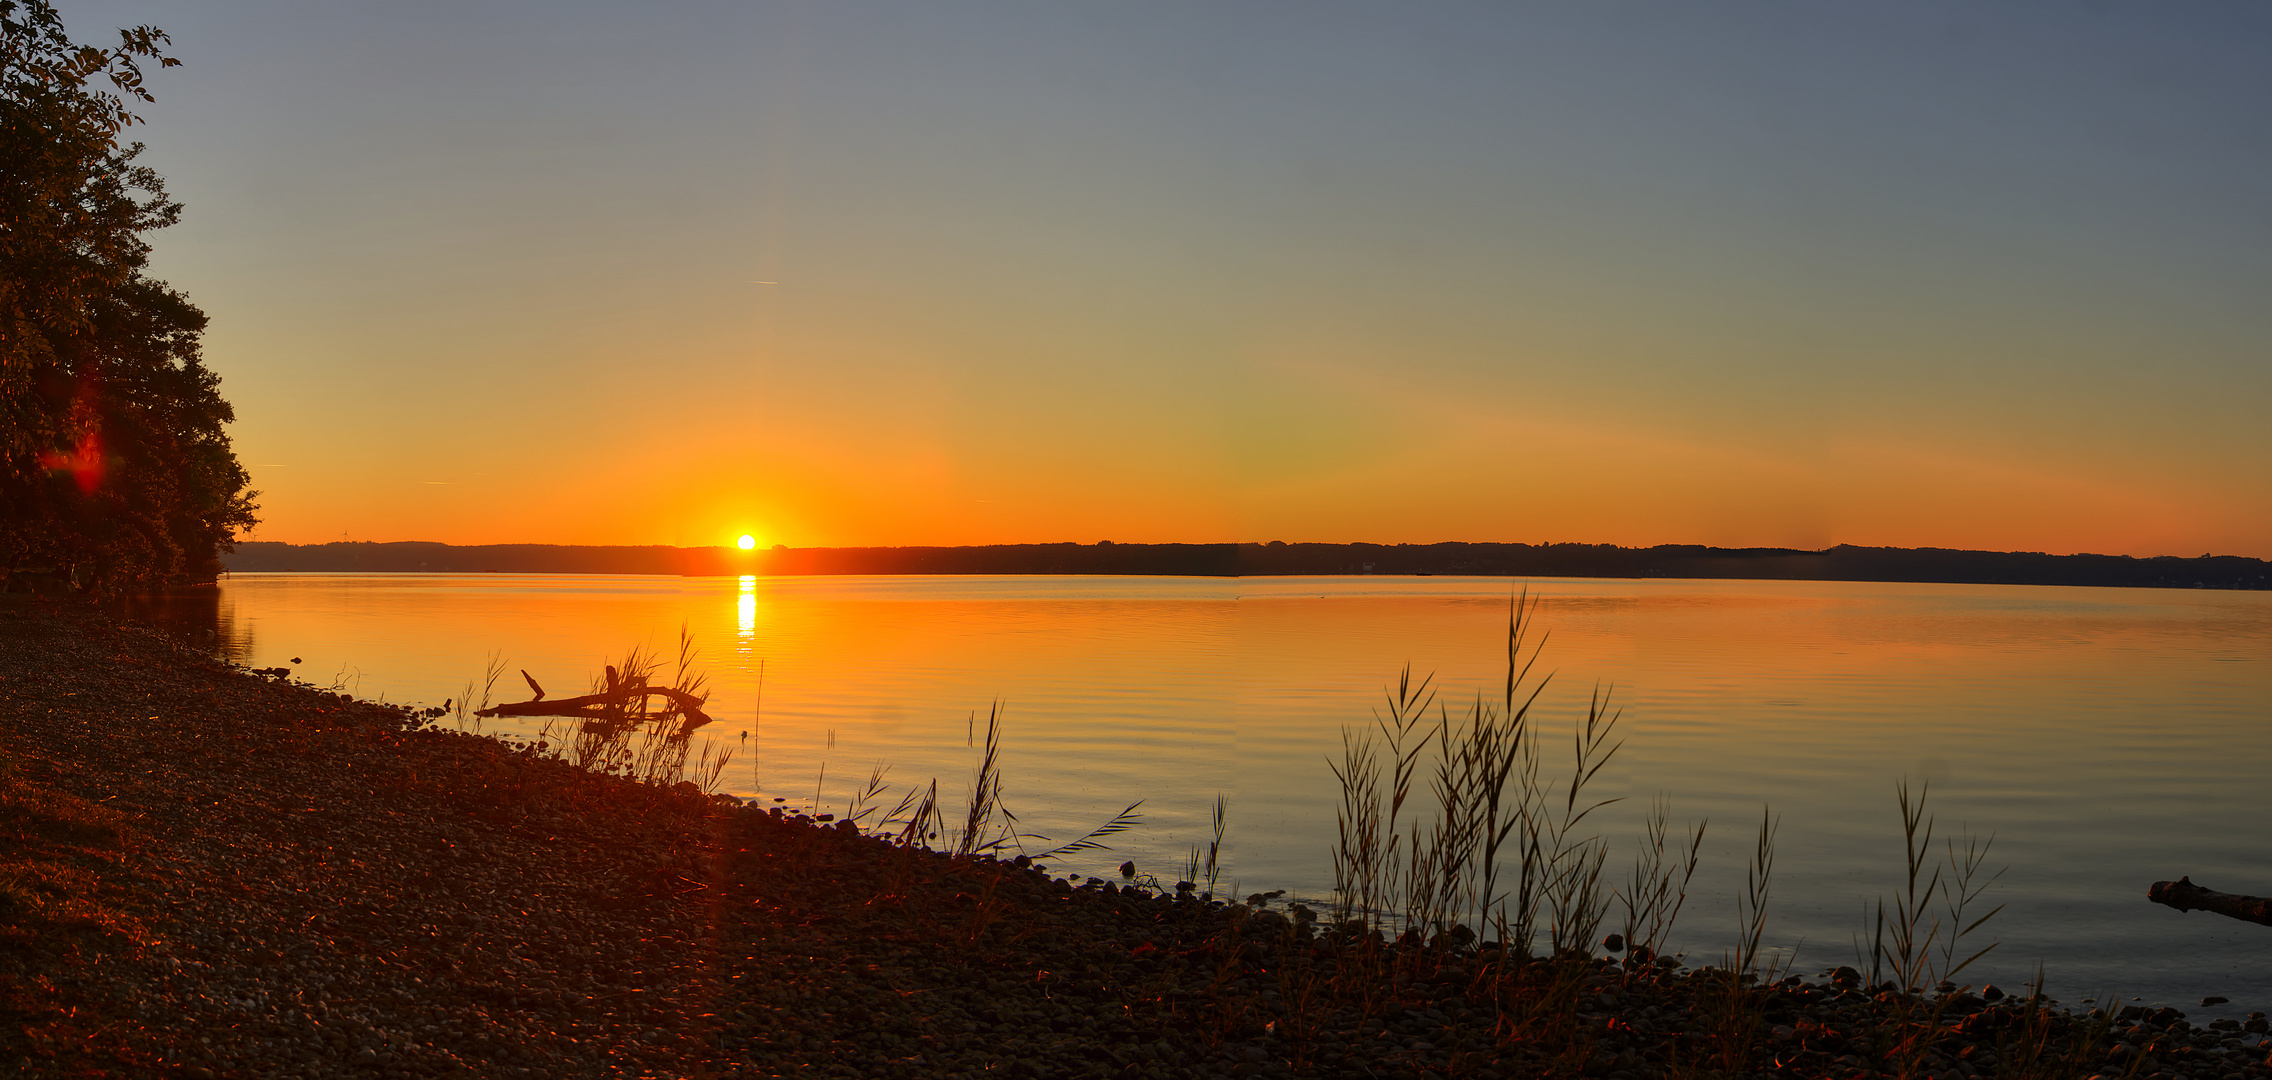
{"x": 84, "y": 462}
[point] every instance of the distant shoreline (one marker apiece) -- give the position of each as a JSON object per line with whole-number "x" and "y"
{"x": 1841, "y": 563}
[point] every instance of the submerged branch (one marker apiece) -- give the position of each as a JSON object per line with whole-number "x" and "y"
{"x": 2184, "y": 895}
{"x": 597, "y": 706}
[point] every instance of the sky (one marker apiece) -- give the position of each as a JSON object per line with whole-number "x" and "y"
{"x": 1784, "y": 274}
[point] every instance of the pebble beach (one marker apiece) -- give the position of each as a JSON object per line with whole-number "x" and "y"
{"x": 212, "y": 873}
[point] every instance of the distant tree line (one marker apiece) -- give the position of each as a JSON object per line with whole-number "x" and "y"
{"x": 115, "y": 470}
{"x": 1842, "y": 563}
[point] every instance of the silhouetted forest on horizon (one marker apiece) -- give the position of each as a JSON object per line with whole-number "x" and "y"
{"x": 1841, "y": 563}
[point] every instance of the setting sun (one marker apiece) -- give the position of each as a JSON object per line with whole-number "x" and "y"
{"x": 747, "y": 542}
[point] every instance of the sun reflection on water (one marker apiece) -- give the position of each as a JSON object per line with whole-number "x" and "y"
{"x": 745, "y": 611}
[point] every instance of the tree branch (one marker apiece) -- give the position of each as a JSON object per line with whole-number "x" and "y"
{"x": 2184, "y": 895}
{"x": 591, "y": 706}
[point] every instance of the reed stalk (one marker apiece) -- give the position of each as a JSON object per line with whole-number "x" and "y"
{"x": 709, "y": 770}
{"x": 467, "y": 709}
{"x": 858, "y": 810}
{"x": 979, "y": 821}
{"x": 1359, "y": 847}
{"x": 1751, "y": 905}
{"x": 1210, "y": 864}
{"x": 1494, "y": 803}
{"x": 1908, "y": 937}
{"x": 1659, "y": 888}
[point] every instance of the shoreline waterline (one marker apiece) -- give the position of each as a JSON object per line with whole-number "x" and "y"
{"x": 2105, "y": 738}
{"x": 419, "y": 796}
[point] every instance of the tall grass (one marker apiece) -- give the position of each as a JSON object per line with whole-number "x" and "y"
{"x": 1662, "y": 870}
{"x": 467, "y": 709}
{"x": 1506, "y": 848}
{"x": 1452, "y": 826}
{"x": 1751, "y": 904}
{"x": 1366, "y": 881}
{"x": 1209, "y": 865}
{"x": 1733, "y": 996}
{"x": 985, "y": 826}
{"x": 1916, "y": 943}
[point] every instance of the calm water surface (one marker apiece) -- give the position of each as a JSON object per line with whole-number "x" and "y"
{"x": 2108, "y": 738}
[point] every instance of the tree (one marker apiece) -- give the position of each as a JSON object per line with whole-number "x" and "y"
{"x": 115, "y": 467}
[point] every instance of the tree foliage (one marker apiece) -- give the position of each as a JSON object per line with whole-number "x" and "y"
{"x": 115, "y": 466}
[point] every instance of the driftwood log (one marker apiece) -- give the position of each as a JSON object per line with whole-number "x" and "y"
{"x": 608, "y": 704}
{"x": 2184, "y": 895}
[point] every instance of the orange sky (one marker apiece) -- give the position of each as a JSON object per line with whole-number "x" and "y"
{"x": 1886, "y": 274}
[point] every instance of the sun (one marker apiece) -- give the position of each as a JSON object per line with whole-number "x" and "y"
{"x": 747, "y": 542}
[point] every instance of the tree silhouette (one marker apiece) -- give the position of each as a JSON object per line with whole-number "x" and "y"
{"x": 115, "y": 468}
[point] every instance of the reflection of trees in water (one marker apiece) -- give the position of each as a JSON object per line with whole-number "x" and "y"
{"x": 197, "y": 615}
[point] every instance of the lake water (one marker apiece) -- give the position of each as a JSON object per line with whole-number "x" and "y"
{"x": 2107, "y": 738}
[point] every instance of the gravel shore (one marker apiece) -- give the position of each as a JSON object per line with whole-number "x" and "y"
{"x": 305, "y": 885}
